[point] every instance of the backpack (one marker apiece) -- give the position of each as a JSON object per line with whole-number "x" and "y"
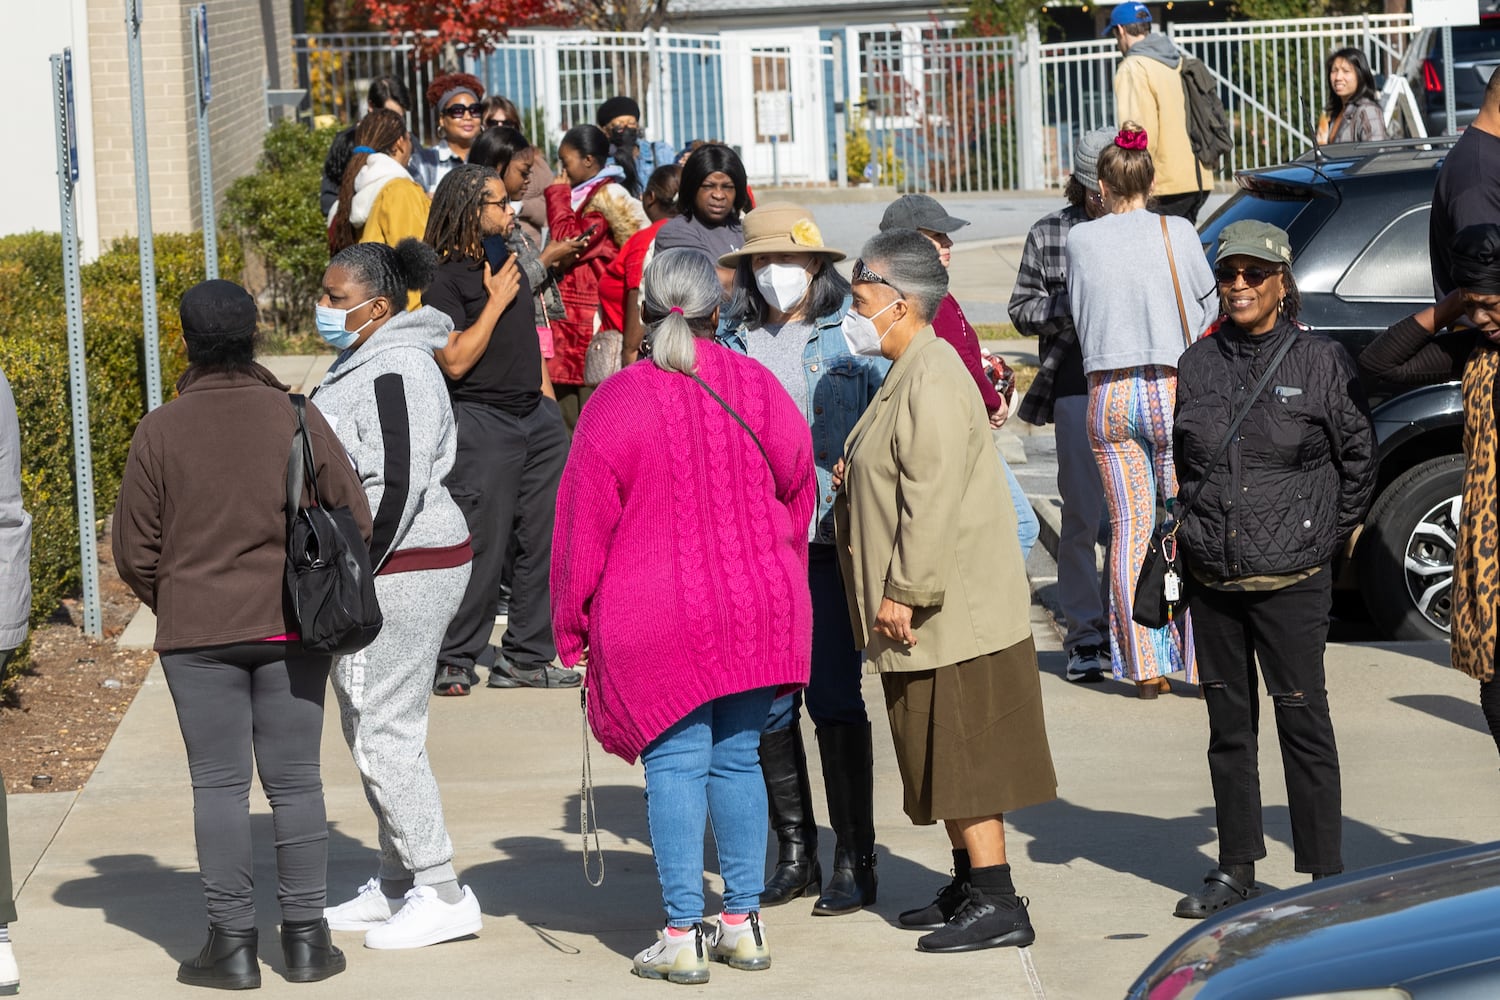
{"x": 1207, "y": 123}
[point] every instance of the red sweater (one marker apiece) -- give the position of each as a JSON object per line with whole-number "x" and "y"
{"x": 579, "y": 287}
{"x": 952, "y": 325}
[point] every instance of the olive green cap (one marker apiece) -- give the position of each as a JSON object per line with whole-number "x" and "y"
{"x": 1260, "y": 240}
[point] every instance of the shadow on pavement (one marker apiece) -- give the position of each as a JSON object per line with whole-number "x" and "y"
{"x": 1448, "y": 708}
{"x": 165, "y": 905}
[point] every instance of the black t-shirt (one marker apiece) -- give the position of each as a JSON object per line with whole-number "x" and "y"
{"x": 508, "y": 375}
{"x": 1466, "y": 194}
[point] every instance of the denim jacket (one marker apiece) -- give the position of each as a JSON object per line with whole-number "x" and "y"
{"x": 840, "y": 385}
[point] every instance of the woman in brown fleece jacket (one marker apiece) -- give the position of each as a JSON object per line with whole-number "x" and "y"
{"x": 200, "y": 536}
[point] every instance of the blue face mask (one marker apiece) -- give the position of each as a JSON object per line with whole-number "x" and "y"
{"x": 332, "y": 322}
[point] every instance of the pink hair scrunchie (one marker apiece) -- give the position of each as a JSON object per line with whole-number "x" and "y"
{"x": 676, "y": 309}
{"x": 1131, "y": 140}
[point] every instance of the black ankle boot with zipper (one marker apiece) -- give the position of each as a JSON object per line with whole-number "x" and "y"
{"x": 309, "y": 951}
{"x": 228, "y": 961}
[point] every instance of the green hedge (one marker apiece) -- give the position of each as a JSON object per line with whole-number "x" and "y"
{"x": 34, "y": 357}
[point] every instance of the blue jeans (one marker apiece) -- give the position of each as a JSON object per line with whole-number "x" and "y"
{"x": 1027, "y": 526}
{"x": 708, "y": 766}
{"x": 833, "y": 693}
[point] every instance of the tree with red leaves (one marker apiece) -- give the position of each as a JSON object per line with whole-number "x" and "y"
{"x": 477, "y": 25}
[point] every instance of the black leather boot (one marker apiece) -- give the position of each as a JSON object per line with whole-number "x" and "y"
{"x": 309, "y": 951}
{"x": 228, "y": 961}
{"x": 849, "y": 779}
{"x": 783, "y": 762}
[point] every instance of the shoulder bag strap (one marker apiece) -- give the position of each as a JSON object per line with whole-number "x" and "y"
{"x": 1187, "y": 337}
{"x": 737, "y": 418}
{"x": 1234, "y": 425}
{"x": 305, "y": 471}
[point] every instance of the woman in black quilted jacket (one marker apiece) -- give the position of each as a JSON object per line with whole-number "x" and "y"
{"x": 1260, "y": 525}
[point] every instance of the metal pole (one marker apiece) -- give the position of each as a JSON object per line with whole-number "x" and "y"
{"x": 78, "y": 383}
{"x": 151, "y": 328}
{"x": 1448, "y": 107}
{"x": 199, "y": 18}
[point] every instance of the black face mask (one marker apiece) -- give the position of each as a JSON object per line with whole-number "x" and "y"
{"x": 625, "y": 137}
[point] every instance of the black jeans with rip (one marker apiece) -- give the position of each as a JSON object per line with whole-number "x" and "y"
{"x": 1283, "y": 632}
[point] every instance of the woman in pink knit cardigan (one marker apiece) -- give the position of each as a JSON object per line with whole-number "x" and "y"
{"x": 679, "y": 563}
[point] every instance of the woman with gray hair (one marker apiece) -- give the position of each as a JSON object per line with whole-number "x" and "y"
{"x": 942, "y": 620}
{"x": 688, "y": 492}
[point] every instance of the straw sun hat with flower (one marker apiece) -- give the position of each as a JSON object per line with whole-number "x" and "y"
{"x": 780, "y": 227}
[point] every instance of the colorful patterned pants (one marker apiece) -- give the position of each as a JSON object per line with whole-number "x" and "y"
{"x": 1130, "y": 429}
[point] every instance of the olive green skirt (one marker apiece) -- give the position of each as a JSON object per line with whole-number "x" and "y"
{"x": 970, "y": 738}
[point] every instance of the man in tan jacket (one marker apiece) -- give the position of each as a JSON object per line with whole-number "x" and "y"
{"x": 1148, "y": 90}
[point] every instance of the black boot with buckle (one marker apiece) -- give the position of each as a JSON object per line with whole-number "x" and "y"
{"x": 228, "y": 961}
{"x": 783, "y": 762}
{"x": 849, "y": 779}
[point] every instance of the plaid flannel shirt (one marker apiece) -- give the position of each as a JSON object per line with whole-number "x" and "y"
{"x": 1039, "y": 306}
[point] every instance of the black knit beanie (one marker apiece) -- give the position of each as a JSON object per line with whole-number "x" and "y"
{"x": 614, "y": 108}
{"x": 217, "y": 308}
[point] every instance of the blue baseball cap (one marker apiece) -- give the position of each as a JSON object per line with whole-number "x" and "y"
{"x": 1127, "y": 13}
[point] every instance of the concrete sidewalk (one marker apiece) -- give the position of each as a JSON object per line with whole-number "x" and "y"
{"x": 110, "y": 899}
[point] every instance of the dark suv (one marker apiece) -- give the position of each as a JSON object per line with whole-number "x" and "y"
{"x": 1357, "y": 216}
{"x": 1476, "y": 53}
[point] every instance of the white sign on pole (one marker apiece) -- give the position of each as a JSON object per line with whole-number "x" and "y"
{"x": 1444, "y": 13}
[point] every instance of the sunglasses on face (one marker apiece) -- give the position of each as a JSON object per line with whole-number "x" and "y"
{"x": 495, "y": 123}
{"x": 461, "y": 111}
{"x": 863, "y": 273}
{"x": 1254, "y": 276}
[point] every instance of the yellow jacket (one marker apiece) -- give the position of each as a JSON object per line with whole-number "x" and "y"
{"x": 400, "y": 210}
{"x": 925, "y": 518}
{"x": 1149, "y": 91}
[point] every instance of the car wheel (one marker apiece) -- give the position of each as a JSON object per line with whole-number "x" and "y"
{"x": 1406, "y": 551}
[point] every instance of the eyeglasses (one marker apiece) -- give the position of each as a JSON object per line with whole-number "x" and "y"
{"x": 1254, "y": 276}
{"x": 462, "y": 111}
{"x": 863, "y": 273}
{"x": 486, "y": 202}
{"x": 496, "y": 123}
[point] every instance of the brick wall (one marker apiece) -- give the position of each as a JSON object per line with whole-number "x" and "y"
{"x": 238, "y": 43}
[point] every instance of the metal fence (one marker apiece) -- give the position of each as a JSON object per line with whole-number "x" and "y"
{"x": 926, "y": 110}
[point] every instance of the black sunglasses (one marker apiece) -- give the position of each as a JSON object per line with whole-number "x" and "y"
{"x": 462, "y": 111}
{"x": 863, "y": 273}
{"x": 1254, "y": 276}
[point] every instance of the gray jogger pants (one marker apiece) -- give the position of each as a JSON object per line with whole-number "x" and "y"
{"x": 383, "y": 692}
{"x": 266, "y": 697}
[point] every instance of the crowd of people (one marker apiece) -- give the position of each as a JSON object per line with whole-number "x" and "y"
{"x": 562, "y": 396}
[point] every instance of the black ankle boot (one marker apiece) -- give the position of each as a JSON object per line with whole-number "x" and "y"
{"x": 228, "y": 961}
{"x": 783, "y": 762}
{"x": 309, "y": 951}
{"x": 849, "y": 779}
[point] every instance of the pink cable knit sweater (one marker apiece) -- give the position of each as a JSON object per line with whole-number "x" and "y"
{"x": 679, "y": 560}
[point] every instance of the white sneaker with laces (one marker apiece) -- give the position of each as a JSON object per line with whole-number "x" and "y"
{"x": 742, "y": 945}
{"x": 10, "y": 975}
{"x": 367, "y": 910}
{"x": 677, "y": 958}
{"x": 425, "y": 919}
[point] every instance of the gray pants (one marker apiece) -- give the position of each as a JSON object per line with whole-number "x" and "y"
{"x": 265, "y": 697}
{"x": 382, "y": 692}
{"x": 1081, "y": 592}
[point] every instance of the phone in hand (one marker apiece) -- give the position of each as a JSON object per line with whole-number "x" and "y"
{"x": 588, "y": 233}
{"x": 495, "y": 251}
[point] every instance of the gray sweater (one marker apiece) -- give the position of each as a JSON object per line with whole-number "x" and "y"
{"x": 388, "y": 403}
{"x": 1120, "y": 288}
{"x": 15, "y": 529}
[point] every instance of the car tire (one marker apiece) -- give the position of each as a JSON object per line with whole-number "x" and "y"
{"x": 1416, "y": 516}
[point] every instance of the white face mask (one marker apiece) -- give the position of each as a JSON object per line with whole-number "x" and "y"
{"x": 861, "y": 335}
{"x": 783, "y": 285}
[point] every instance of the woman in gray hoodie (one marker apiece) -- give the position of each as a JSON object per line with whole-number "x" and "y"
{"x": 386, "y": 400}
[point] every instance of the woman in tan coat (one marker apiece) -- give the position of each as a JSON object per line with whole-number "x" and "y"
{"x": 940, "y": 617}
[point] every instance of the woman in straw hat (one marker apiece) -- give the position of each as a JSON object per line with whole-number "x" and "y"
{"x": 788, "y": 311}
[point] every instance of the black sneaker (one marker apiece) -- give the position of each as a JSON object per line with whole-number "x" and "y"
{"x": 452, "y": 681}
{"x": 1084, "y": 666}
{"x": 505, "y": 674}
{"x": 983, "y": 923}
{"x": 938, "y": 912}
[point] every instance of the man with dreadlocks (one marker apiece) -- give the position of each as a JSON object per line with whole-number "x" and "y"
{"x": 511, "y": 438}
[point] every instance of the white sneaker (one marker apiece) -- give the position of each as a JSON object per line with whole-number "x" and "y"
{"x": 367, "y": 910}
{"x": 677, "y": 958}
{"x": 10, "y": 976}
{"x": 425, "y": 919}
{"x": 741, "y": 945}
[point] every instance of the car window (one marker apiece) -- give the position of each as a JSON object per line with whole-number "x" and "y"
{"x": 1280, "y": 213}
{"x": 1476, "y": 41}
{"x": 1395, "y": 266}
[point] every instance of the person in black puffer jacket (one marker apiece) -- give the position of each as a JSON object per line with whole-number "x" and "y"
{"x": 1259, "y": 530}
